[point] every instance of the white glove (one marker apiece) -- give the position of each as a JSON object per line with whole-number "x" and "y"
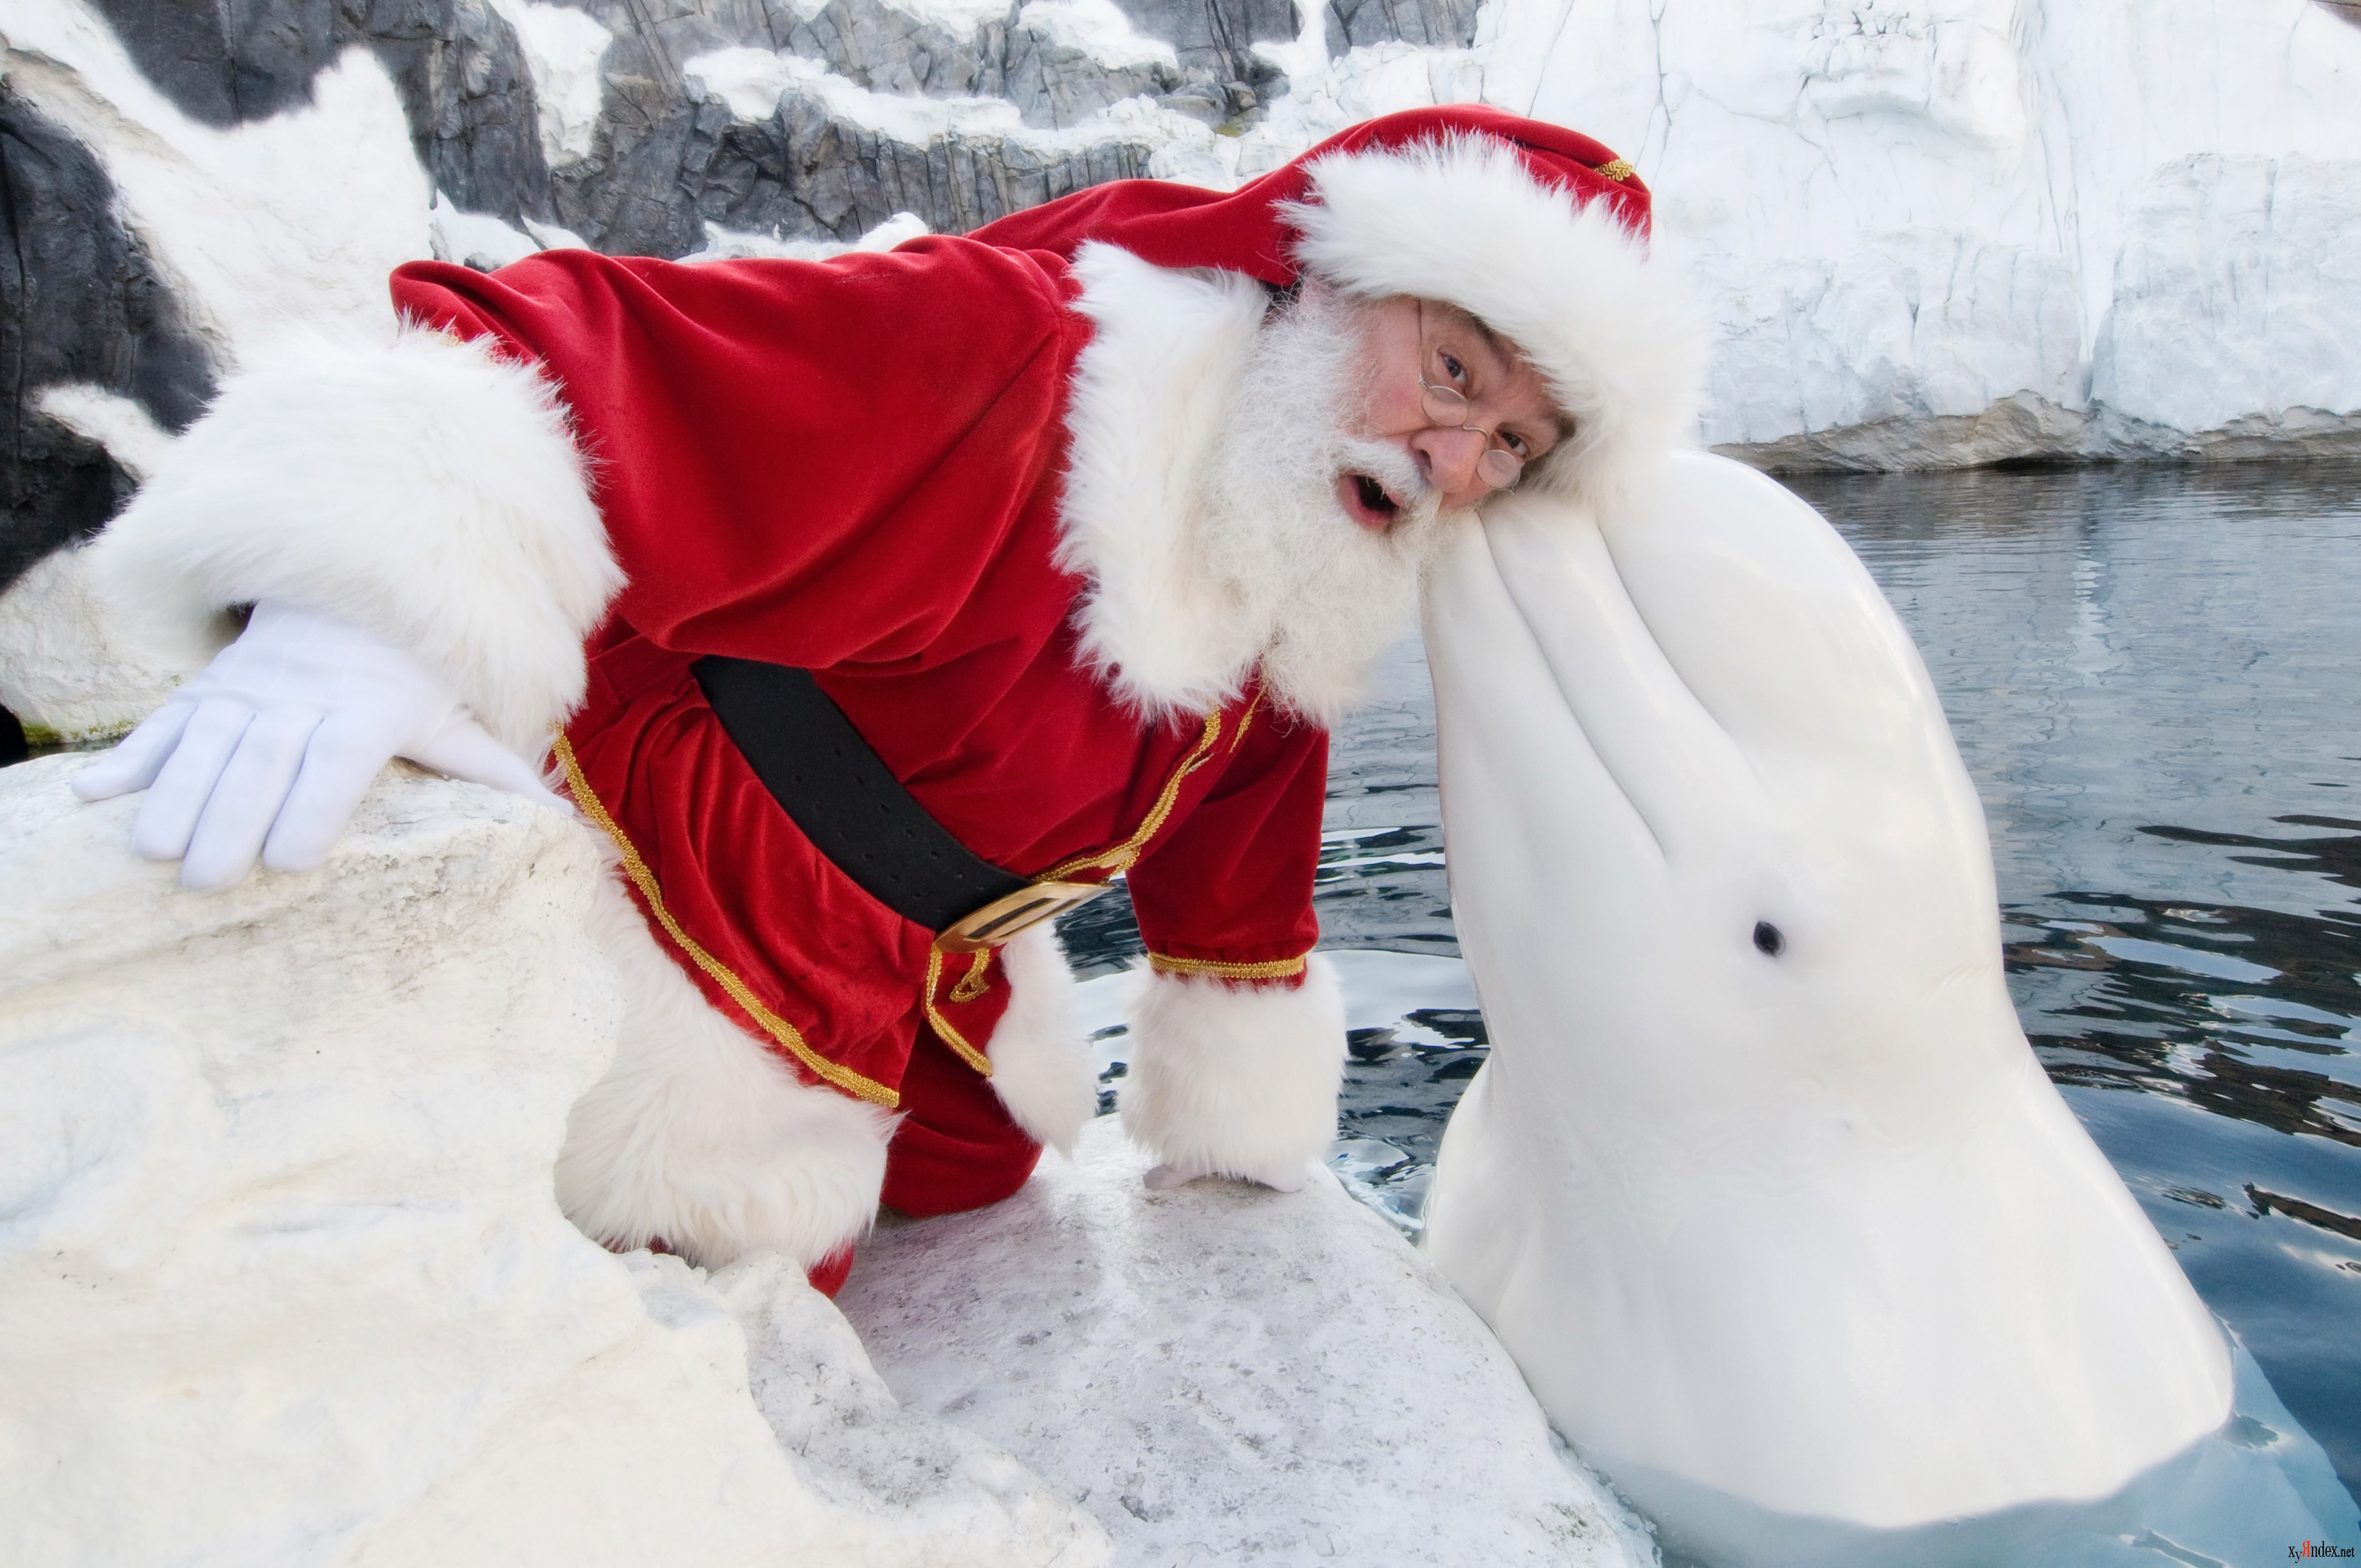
{"x": 271, "y": 749}
{"x": 1280, "y": 1177}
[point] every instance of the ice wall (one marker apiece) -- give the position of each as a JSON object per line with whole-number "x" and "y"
{"x": 1945, "y": 231}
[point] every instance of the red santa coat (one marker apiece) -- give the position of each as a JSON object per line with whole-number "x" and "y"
{"x": 852, "y": 465}
{"x": 953, "y": 480}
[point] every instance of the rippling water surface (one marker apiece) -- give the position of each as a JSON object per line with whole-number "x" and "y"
{"x": 2154, "y": 675}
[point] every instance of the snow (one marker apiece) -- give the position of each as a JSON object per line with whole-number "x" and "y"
{"x": 270, "y": 227}
{"x": 957, "y": 17}
{"x": 728, "y": 244}
{"x": 280, "y": 1241}
{"x": 751, "y": 81}
{"x": 1222, "y": 1374}
{"x": 70, "y": 669}
{"x": 1374, "y": 79}
{"x": 564, "y": 49}
{"x": 1099, "y": 30}
{"x": 475, "y": 240}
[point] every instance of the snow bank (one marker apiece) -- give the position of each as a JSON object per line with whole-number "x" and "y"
{"x": 1222, "y": 1374}
{"x": 285, "y": 1280}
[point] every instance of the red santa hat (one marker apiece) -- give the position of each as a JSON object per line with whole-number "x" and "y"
{"x": 1539, "y": 232}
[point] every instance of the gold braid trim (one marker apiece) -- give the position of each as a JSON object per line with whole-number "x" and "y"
{"x": 950, "y": 1037}
{"x": 1277, "y": 969}
{"x": 1619, "y": 170}
{"x": 978, "y": 979}
{"x": 737, "y": 989}
{"x": 1246, "y": 722}
{"x": 1124, "y": 855}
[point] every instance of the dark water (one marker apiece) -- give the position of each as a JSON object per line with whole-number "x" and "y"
{"x": 2154, "y": 675}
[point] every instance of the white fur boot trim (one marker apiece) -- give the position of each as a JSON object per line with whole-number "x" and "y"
{"x": 700, "y": 1137}
{"x": 1236, "y": 1080}
{"x": 420, "y": 488}
{"x": 1041, "y": 1063}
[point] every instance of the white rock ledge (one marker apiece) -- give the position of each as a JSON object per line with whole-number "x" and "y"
{"x": 285, "y": 1283}
{"x": 2028, "y": 428}
{"x": 1224, "y": 1374}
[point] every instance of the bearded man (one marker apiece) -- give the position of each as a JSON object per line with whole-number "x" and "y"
{"x": 1086, "y": 525}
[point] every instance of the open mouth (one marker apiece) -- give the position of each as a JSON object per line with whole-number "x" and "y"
{"x": 1366, "y": 502}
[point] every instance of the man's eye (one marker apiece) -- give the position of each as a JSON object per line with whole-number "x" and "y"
{"x": 1516, "y": 443}
{"x": 1452, "y": 368}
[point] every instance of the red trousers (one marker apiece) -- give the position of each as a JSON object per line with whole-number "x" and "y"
{"x": 956, "y": 1147}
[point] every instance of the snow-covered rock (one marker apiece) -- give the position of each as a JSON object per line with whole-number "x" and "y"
{"x": 277, "y": 1239}
{"x": 1222, "y": 1374}
{"x": 286, "y": 1283}
{"x": 69, "y": 666}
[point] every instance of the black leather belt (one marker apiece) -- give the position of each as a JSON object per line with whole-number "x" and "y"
{"x": 848, "y": 804}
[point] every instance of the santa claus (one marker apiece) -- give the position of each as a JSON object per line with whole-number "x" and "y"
{"x": 875, "y": 607}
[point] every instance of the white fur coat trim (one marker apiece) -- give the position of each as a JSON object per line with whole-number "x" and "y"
{"x": 700, "y": 1137}
{"x": 421, "y": 488}
{"x": 1150, "y": 392}
{"x": 1604, "y": 321}
{"x": 1238, "y": 1080}
{"x": 1041, "y": 1063}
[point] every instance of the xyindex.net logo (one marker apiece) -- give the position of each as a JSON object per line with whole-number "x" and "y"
{"x": 2318, "y": 1548}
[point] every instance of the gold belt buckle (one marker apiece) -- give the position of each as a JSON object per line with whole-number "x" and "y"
{"x": 1004, "y": 917}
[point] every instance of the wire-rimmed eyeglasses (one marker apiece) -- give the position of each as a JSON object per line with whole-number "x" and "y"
{"x": 1446, "y": 407}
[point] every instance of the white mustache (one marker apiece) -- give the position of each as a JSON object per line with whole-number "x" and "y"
{"x": 1389, "y": 465}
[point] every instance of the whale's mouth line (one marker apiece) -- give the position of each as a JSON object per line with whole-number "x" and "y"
{"x": 1557, "y": 683}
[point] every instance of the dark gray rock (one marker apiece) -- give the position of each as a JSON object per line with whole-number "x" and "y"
{"x": 79, "y": 302}
{"x": 669, "y": 168}
{"x": 228, "y": 61}
{"x": 874, "y": 45}
{"x": 465, "y": 88}
{"x": 1441, "y": 24}
{"x": 665, "y": 166}
{"x": 1215, "y": 40}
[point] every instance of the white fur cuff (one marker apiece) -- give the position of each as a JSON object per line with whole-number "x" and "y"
{"x": 698, "y": 1136}
{"x": 1041, "y": 1063}
{"x": 1234, "y": 1078}
{"x": 421, "y": 489}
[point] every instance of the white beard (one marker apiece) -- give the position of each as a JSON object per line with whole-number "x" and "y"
{"x": 1320, "y": 595}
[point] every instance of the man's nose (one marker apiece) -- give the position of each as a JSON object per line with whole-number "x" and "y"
{"x": 1449, "y": 457}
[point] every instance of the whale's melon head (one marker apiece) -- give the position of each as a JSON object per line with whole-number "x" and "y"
{"x": 1695, "y": 744}
{"x": 1763, "y": 1186}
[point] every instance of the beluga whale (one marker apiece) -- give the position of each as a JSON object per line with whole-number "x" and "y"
{"x": 1762, "y": 1185}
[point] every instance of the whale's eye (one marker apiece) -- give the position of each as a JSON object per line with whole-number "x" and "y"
{"x": 1767, "y": 938}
